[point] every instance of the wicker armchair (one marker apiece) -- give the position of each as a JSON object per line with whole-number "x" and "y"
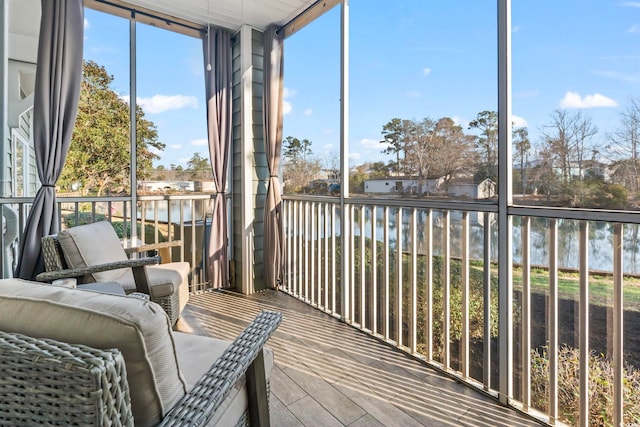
{"x": 88, "y": 261}
{"x": 48, "y": 382}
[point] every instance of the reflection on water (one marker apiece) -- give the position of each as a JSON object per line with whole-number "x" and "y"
{"x": 600, "y": 238}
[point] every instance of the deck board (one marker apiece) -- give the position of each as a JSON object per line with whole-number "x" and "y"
{"x": 327, "y": 373}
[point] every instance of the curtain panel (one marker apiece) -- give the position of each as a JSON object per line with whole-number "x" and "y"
{"x": 272, "y": 108}
{"x": 56, "y": 97}
{"x": 217, "y": 72}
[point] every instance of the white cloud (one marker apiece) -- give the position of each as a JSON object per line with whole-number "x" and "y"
{"x": 371, "y": 143}
{"x": 633, "y": 29}
{"x": 630, "y": 4}
{"x": 355, "y": 156}
{"x": 413, "y": 94}
{"x": 200, "y": 142}
{"x": 426, "y": 71}
{"x": 519, "y": 122}
{"x": 184, "y": 160}
{"x": 574, "y": 100}
{"x": 162, "y": 103}
{"x": 176, "y": 146}
{"x": 287, "y": 107}
{"x": 327, "y": 147}
{"x": 308, "y": 112}
{"x": 86, "y": 24}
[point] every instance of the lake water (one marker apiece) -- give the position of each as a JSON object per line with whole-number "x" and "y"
{"x": 600, "y": 239}
{"x": 600, "y": 235}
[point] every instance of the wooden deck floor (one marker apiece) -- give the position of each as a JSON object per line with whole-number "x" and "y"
{"x": 327, "y": 373}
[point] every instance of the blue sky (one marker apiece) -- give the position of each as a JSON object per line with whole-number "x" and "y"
{"x": 409, "y": 59}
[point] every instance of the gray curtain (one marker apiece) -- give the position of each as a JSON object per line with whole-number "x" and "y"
{"x": 217, "y": 53}
{"x": 56, "y": 95}
{"x": 272, "y": 107}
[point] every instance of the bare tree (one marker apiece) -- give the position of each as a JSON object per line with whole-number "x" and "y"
{"x": 624, "y": 146}
{"x": 299, "y": 167}
{"x": 567, "y": 139}
{"x": 487, "y": 142}
{"x": 436, "y": 149}
{"x": 331, "y": 165}
{"x": 452, "y": 150}
{"x": 419, "y": 147}
{"x": 543, "y": 176}
{"x": 583, "y": 131}
{"x": 522, "y": 146}
{"x": 396, "y": 136}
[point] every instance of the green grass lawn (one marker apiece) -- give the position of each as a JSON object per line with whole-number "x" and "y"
{"x": 600, "y": 287}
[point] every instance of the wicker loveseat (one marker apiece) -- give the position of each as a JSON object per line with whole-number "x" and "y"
{"x": 75, "y": 357}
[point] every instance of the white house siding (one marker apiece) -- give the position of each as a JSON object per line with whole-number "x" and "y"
{"x": 400, "y": 185}
{"x": 463, "y": 190}
{"x": 391, "y": 185}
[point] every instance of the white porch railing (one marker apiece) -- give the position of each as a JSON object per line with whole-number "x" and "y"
{"x": 424, "y": 278}
{"x": 159, "y": 218}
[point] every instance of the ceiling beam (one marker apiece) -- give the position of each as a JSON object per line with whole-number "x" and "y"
{"x": 311, "y": 13}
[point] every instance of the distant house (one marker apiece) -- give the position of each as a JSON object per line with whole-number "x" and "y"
{"x": 183, "y": 186}
{"x": 461, "y": 187}
{"x": 464, "y": 187}
{"x": 484, "y": 189}
{"x": 156, "y": 186}
{"x": 401, "y": 185}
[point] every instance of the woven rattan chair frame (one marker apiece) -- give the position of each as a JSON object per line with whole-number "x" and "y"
{"x": 40, "y": 383}
{"x": 56, "y": 268}
{"x": 54, "y": 383}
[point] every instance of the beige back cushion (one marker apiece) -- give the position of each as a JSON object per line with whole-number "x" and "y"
{"x": 138, "y": 328}
{"x": 94, "y": 244}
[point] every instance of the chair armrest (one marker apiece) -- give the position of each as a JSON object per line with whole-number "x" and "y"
{"x": 163, "y": 249}
{"x": 152, "y": 246}
{"x": 50, "y": 276}
{"x": 199, "y": 405}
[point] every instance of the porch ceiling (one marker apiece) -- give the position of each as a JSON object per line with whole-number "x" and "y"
{"x": 24, "y": 16}
{"x": 24, "y": 26}
{"x": 230, "y": 14}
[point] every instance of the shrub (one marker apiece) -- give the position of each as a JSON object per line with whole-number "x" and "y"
{"x": 86, "y": 218}
{"x": 149, "y": 231}
{"x": 83, "y": 218}
{"x": 600, "y": 387}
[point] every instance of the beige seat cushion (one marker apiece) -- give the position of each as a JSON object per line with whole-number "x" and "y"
{"x": 139, "y": 328}
{"x": 93, "y": 244}
{"x": 196, "y": 354}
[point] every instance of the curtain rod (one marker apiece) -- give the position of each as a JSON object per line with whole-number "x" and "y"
{"x": 166, "y": 20}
